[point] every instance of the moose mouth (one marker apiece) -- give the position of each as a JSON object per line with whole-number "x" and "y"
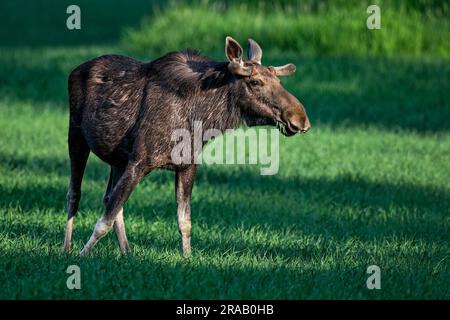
{"x": 285, "y": 128}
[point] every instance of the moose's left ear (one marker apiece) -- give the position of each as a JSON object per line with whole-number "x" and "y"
{"x": 254, "y": 51}
{"x": 233, "y": 50}
{"x": 285, "y": 70}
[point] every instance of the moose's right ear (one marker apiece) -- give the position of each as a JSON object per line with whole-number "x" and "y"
{"x": 233, "y": 50}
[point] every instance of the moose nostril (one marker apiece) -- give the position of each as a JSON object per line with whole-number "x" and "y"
{"x": 306, "y": 127}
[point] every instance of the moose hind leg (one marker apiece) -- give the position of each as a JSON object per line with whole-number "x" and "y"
{"x": 119, "y": 194}
{"x": 79, "y": 153}
{"x": 119, "y": 224}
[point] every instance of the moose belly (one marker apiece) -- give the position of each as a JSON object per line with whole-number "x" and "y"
{"x": 108, "y": 131}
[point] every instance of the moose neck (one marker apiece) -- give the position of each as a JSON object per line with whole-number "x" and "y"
{"x": 216, "y": 105}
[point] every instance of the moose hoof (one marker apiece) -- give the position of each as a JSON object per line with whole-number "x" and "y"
{"x": 84, "y": 253}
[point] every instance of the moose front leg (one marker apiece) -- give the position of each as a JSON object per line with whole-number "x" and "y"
{"x": 184, "y": 181}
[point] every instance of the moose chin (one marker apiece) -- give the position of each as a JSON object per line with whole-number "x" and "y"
{"x": 124, "y": 111}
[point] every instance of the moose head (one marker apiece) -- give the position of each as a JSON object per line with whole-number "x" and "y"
{"x": 262, "y": 98}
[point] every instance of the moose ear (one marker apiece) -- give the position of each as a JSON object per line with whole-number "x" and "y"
{"x": 254, "y": 51}
{"x": 285, "y": 70}
{"x": 233, "y": 50}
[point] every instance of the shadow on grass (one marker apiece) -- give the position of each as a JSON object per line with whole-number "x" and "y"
{"x": 40, "y": 165}
{"x": 43, "y": 276}
{"x": 40, "y": 23}
{"x": 226, "y": 266}
{"x": 342, "y": 191}
{"x": 341, "y": 208}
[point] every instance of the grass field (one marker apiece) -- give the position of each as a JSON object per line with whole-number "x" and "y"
{"x": 368, "y": 185}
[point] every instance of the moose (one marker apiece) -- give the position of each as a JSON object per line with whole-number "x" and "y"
{"x": 124, "y": 111}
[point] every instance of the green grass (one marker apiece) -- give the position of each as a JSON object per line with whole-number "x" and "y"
{"x": 369, "y": 184}
{"x": 343, "y": 32}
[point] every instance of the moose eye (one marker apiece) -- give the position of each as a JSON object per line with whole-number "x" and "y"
{"x": 254, "y": 82}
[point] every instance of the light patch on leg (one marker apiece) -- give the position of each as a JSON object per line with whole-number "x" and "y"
{"x": 119, "y": 228}
{"x": 68, "y": 238}
{"x": 184, "y": 226}
{"x": 102, "y": 227}
{"x": 72, "y": 202}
